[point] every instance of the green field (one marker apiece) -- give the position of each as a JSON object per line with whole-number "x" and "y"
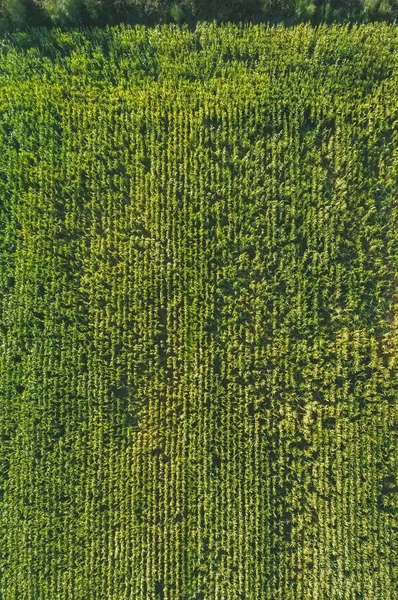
{"x": 198, "y": 314}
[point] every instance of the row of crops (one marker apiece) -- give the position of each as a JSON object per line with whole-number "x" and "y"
{"x": 198, "y": 328}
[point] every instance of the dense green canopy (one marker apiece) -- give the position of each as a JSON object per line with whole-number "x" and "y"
{"x": 21, "y": 13}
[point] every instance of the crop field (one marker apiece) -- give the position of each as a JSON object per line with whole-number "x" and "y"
{"x": 198, "y": 314}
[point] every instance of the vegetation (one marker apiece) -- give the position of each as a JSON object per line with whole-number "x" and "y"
{"x": 67, "y": 13}
{"x": 198, "y": 268}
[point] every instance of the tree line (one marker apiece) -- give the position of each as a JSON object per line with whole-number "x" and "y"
{"x": 19, "y": 14}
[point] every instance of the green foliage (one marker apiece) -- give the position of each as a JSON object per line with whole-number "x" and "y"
{"x": 198, "y": 313}
{"x": 386, "y": 9}
{"x": 305, "y": 9}
{"x": 176, "y": 13}
{"x": 15, "y": 11}
{"x": 382, "y": 9}
{"x": 67, "y": 13}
